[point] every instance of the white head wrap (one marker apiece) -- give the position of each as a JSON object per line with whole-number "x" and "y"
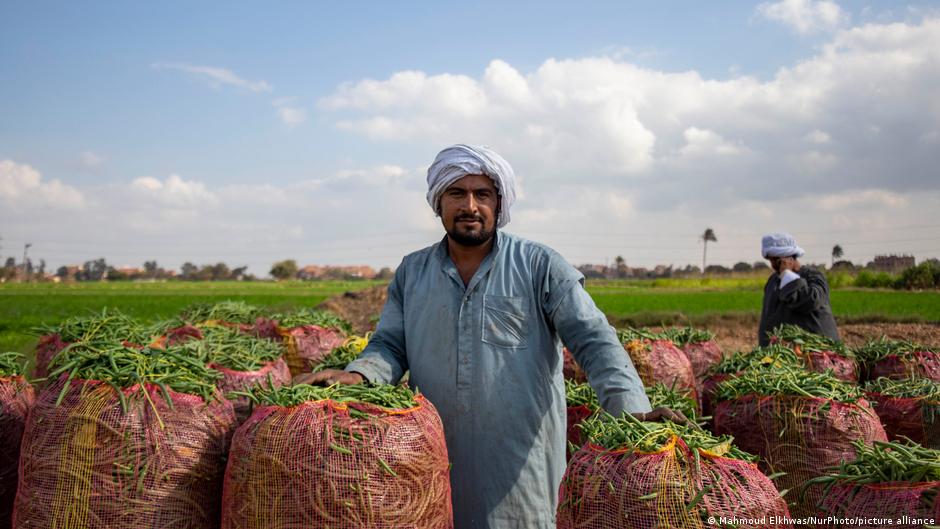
{"x": 458, "y": 161}
{"x": 780, "y": 245}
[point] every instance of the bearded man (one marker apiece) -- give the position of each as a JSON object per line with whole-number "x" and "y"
{"x": 479, "y": 319}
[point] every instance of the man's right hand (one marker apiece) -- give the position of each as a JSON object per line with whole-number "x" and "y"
{"x": 328, "y": 377}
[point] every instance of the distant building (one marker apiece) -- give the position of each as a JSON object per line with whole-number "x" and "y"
{"x": 892, "y": 263}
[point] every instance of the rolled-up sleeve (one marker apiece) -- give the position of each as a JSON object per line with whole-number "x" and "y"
{"x": 805, "y": 294}
{"x": 384, "y": 359}
{"x": 585, "y": 331}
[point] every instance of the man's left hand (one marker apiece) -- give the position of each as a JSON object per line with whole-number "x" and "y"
{"x": 661, "y": 413}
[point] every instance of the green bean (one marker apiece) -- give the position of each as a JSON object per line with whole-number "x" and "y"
{"x": 227, "y": 311}
{"x": 807, "y": 341}
{"x": 788, "y": 380}
{"x": 306, "y": 316}
{"x": 12, "y": 364}
{"x": 382, "y": 395}
{"x": 687, "y": 335}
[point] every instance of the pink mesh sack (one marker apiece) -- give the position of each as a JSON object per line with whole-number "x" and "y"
{"x": 905, "y": 504}
{"x": 702, "y": 355}
{"x": 916, "y": 364}
{"x": 16, "y": 398}
{"x": 661, "y": 361}
{"x": 275, "y": 372}
{"x": 801, "y": 436}
{"x": 48, "y": 346}
{"x": 842, "y": 367}
{"x": 308, "y": 344}
{"x": 674, "y": 487}
{"x": 917, "y": 419}
{"x": 325, "y": 464}
{"x": 87, "y": 464}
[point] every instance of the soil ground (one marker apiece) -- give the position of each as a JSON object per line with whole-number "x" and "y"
{"x": 733, "y": 332}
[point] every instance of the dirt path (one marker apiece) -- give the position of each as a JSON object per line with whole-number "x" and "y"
{"x": 362, "y": 308}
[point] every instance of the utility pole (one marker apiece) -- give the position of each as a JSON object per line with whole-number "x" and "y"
{"x": 25, "y": 270}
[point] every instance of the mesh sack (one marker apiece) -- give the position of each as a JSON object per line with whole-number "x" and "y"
{"x": 576, "y": 414}
{"x": 709, "y": 390}
{"x": 842, "y": 367}
{"x": 233, "y": 380}
{"x": 916, "y": 419}
{"x": 265, "y": 328}
{"x": 918, "y": 364}
{"x": 308, "y": 344}
{"x": 315, "y": 465}
{"x": 619, "y": 489}
{"x": 900, "y": 502}
{"x": 702, "y": 355}
{"x": 802, "y": 436}
{"x": 661, "y": 361}
{"x": 16, "y": 398}
{"x": 86, "y": 464}
{"x": 570, "y": 367}
{"x": 48, "y": 346}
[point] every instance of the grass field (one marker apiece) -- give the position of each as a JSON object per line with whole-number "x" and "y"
{"x": 25, "y": 306}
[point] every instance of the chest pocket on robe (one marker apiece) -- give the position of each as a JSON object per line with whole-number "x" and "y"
{"x": 505, "y": 320}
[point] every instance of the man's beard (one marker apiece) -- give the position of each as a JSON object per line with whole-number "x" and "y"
{"x": 470, "y": 238}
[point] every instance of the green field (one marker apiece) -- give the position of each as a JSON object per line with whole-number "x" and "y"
{"x": 25, "y": 306}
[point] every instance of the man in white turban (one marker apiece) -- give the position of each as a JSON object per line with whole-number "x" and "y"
{"x": 794, "y": 294}
{"x": 479, "y": 320}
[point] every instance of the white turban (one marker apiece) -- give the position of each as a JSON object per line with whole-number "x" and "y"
{"x": 780, "y": 245}
{"x": 458, "y": 161}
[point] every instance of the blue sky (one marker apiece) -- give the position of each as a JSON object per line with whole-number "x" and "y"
{"x": 205, "y": 132}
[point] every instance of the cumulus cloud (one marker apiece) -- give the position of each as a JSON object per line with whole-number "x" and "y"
{"x": 215, "y": 76}
{"x": 805, "y": 16}
{"x": 289, "y": 112}
{"x": 174, "y": 192}
{"x": 90, "y": 160}
{"x": 22, "y": 186}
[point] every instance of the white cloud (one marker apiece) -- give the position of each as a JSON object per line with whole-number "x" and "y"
{"x": 90, "y": 160}
{"x": 215, "y": 76}
{"x": 22, "y": 187}
{"x": 818, "y": 137}
{"x": 288, "y": 111}
{"x": 805, "y": 16}
{"x": 174, "y": 192}
{"x": 862, "y": 200}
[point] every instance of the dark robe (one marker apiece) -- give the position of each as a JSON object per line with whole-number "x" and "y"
{"x": 803, "y": 302}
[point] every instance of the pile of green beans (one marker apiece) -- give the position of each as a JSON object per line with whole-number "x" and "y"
{"x": 227, "y": 311}
{"x": 340, "y": 357}
{"x": 879, "y": 348}
{"x": 676, "y": 399}
{"x": 12, "y": 364}
{"x": 580, "y": 394}
{"x": 809, "y": 342}
{"x": 306, "y": 316}
{"x": 769, "y": 357}
{"x": 110, "y": 324}
{"x": 788, "y": 380}
{"x": 884, "y": 462}
{"x": 629, "y": 334}
{"x": 233, "y": 349}
{"x": 383, "y": 395}
{"x": 629, "y": 432}
{"x": 683, "y": 336}
{"x": 910, "y": 388}
{"x": 121, "y": 367}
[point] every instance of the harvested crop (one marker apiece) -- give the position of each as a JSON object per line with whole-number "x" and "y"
{"x": 898, "y": 359}
{"x": 227, "y": 311}
{"x": 340, "y": 456}
{"x": 651, "y": 475}
{"x": 340, "y": 357}
{"x": 908, "y": 408}
{"x": 16, "y": 398}
{"x": 307, "y": 316}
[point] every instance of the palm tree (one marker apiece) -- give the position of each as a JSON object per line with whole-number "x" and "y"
{"x": 709, "y": 235}
{"x": 837, "y": 253}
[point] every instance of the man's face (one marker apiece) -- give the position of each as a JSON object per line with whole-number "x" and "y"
{"x": 468, "y": 210}
{"x": 774, "y": 263}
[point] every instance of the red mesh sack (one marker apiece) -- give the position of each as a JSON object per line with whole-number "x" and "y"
{"x": 917, "y": 364}
{"x": 265, "y": 328}
{"x": 576, "y": 414}
{"x": 570, "y": 368}
{"x": 709, "y": 389}
{"x": 316, "y": 465}
{"x": 48, "y": 346}
{"x": 802, "y": 436}
{"x": 899, "y": 502}
{"x": 916, "y": 419}
{"x": 87, "y": 464}
{"x": 307, "y": 345}
{"x": 702, "y": 355}
{"x": 620, "y": 489}
{"x": 842, "y": 367}
{"x": 233, "y": 380}
{"x": 661, "y": 361}
{"x": 16, "y": 398}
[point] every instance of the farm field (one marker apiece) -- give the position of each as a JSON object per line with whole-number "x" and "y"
{"x": 637, "y": 302}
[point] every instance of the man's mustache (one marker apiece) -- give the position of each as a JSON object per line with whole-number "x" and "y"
{"x": 470, "y": 217}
